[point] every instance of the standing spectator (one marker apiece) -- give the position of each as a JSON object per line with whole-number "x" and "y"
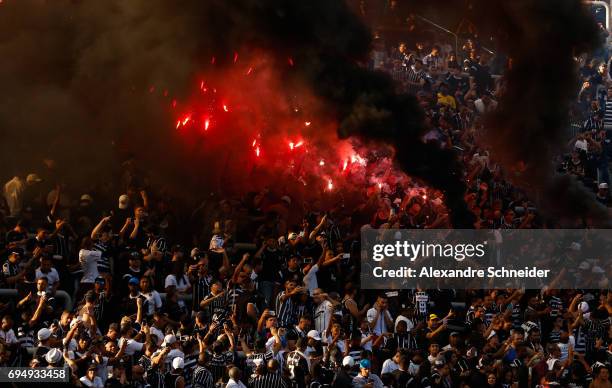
{"x": 365, "y": 378}
{"x": 378, "y": 317}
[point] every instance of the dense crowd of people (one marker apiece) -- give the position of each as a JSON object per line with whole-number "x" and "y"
{"x": 262, "y": 291}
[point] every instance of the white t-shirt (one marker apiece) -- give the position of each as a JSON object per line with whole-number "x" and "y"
{"x": 235, "y": 384}
{"x": 367, "y": 345}
{"x": 322, "y": 316}
{"x": 381, "y": 325}
{"x": 52, "y": 277}
{"x": 565, "y": 347}
{"x": 89, "y": 264}
{"x": 132, "y": 346}
{"x": 310, "y": 279}
{"x": 389, "y": 366}
{"x": 8, "y": 336}
{"x": 154, "y": 301}
{"x": 96, "y": 383}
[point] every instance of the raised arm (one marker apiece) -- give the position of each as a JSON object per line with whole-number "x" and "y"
{"x": 39, "y": 309}
{"x": 239, "y": 267}
{"x": 124, "y": 228}
{"x": 134, "y": 233}
{"x": 316, "y": 230}
{"x": 96, "y": 231}
{"x": 56, "y": 201}
{"x": 230, "y": 337}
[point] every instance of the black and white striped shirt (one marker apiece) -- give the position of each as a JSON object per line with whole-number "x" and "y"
{"x": 269, "y": 380}
{"x": 250, "y": 359}
{"x": 285, "y": 310}
{"x": 594, "y": 329}
{"x": 104, "y": 260}
{"x": 202, "y": 378}
{"x": 99, "y": 306}
{"x": 592, "y": 123}
{"x": 217, "y": 364}
{"x": 25, "y": 336}
{"x": 608, "y": 115}
{"x": 219, "y": 303}
{"x": 401, "y": 341}
{"x": 200, "y": 288}
{"x": 415, "y": 77}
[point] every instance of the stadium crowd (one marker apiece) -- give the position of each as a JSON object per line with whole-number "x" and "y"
{"x": 263, "y": 291}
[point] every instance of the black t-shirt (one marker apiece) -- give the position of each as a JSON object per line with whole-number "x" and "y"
{"x": 342, "y": 380}
{"x": 298, "y": 367}
{"x": 400, "y": 377}
{"x": 270, "y": 263}
{"x": 215, "y": 261}
{"x": 286, "y": 274}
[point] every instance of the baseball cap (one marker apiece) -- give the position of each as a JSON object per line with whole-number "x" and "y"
{"x": 169, "y": 339}
{"x": 433, "y": 316}
{"x": 133, "y": 280}
{"x": 365, "y": 364}
{"x": 53, "y": 356}
{"x": 314, "y": 335}
{"x": 124, "y": 201}
{"x": 348, "y": 361}
{"x": 178, "y": 363}
{"x": 43, "y": 334}
{"x": 86, "y": 198}
{"x": 603, "y": 185}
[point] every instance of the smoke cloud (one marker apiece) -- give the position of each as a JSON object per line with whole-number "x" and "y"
{"x": 77, "y": 80}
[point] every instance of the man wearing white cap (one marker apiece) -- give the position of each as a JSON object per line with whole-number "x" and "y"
{"x": 54, "y": 358}
{"x": 603, "y": 194}
{"x": 174, "y": 379}
{"x": 171, "y": 342}
{"x": 43, "y": 336}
